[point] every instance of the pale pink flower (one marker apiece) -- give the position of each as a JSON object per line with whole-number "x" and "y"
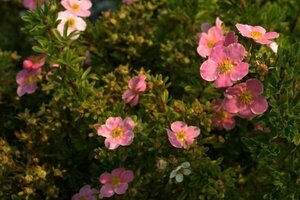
{"x": 214, "y": 36}
{"x": 74, "y": 23}
{"x": 27, "y": 80}
{"x": 181, "y": 135}
{"x": 116, "y": 182}
{"x": 136, "y": 86}
{"x": 85, "y": 193}
{"x": 222, "y": 118}
{"x": 117, "y": 132}
{"x": 128, "y": 2}
{"x": 78, "y": 7}
{"x": 257, "y": 33}
{"x": 34, "y": 62}
{"x": 224, "y": 65}
{"x": 245, "y": 99}
{"x": 32, "y": 4}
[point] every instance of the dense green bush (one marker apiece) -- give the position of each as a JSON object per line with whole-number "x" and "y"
{"x": 49, "y": 147}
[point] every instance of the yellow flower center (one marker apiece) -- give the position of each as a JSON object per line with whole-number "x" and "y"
{"x": 31, "y": 79}
{"x": 211, "y": 43}
{"x": 225, "y": 67}
{"x": 256, "y": 35}
{"x": 180, "y": 135}
{"x": 117, "y": 133}
{"x": 75, "y": 7}
{"x": 71, "y": 22}
{"x": 246, "y": 98}
{"x": 115, "y": 181}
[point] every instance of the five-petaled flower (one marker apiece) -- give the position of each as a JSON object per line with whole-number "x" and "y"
{"x": 27, "y": 80}
{"x": 85, "y": 193}
{"x": 116, "y": 182}
{"x": 74, "y": 24}
{"x": 257, "y": 33}
{"x": 78, "y": 7}
{"x": 181, "y": 170}
{"x": 117, "y": 132}
{"x": 181, "y": 135}
{"x": 222, "y": 118}
{"x": 136, "y": 85}
{"x": 224, "y": 65}
{"x": 245, "y": 99}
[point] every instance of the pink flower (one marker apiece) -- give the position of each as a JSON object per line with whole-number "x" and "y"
{"x": 34, "y": 62}
{"x": 136, "y": 85}
{"x": 214, "y": 36}
{"x": 85, "y": 193}
{"x": 181, "y": 135}
{"x": 74, "y": 23}
{"x": 78, "y": 7}
{"x": 222, "y": 118}
{"x": 224, "y": 65}
{"x": 257, "y": 33}
{"x": 116, "y": 182}
{"x": 128, "y": 2}
{"x": 32, "y": 4}
{"x": 245, "y": 99}
{"x": 117, "y": 132}
{"x": 26, "y": 80}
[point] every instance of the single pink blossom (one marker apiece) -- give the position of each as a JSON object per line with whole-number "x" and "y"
{"x": 245, "y": 99}
{"x": 34, "y": 62}
{"x": 213, "y": 37}
{"x": 117, "y": 132}
{"x": 74, "y": 23}
{"x": 136, "y": 86}
{"x": 78, "y": 7}
{"x": 181, "y": 135}
{"x": 27, "y": 80}
{"x": 128, "y": 2}
{"x": 257, "y": 33}
{"x": 222, "y": 118}
{"x": 85, "y": 193}
{"x": 224, "y": 65}
{"x": 32, "y": 4}
{"x": 116, "y": 182}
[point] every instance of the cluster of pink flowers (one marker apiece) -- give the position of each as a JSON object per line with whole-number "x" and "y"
{"x": 71, "y": 17}
{"x": 136, "y": 86}
{"x": 225, "y": 66}
{"x": 28, "y": 77}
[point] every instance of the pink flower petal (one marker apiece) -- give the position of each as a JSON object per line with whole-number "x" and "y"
{"x": 178, "y": 126}
{"x": 118, "y": 171}
{"x": 113, "y": 122}
{"x": 135, "y": 100}
{"x": 223, "y": 80}
{"x": 239, "y": 71}
{"x": 218, "y": 54}
{"x": 264, "y": 41}
{"x": 127, "y": 139}
{"x": 127, "y": 176}
{"x": 245, "y": 30}
{"x": 107, "y": 190}
{"x": 246, "y": 113}
{"x": 128, "y": 96}
{"x": 271, "y": 35}
{"x": 255, "y": 86}
{"x": 111, "y": 144}
{"x": 129, "y": 123}
{"x": 208, "y": 70}
{"x": 229, "y": 124}
{"x": 231, "y": 105}
{"x": 259, "y": 106}
{"x": 121, "y": 189}
{"x": 173, "y": 140}
{"x": 105, "y": 178}
{"x": 235, "y": 52}
{"x": 103, "y": 131}
{"x": 192, "y": 131}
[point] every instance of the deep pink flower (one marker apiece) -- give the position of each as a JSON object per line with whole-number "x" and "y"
{"x": 181, "y": 135}
{"x": 116, "y": 182}
{"x": 85, "y": 193}
{"x": 32, "y": 4}
{"x": 245, "y": 99}
{"x": 78, "y": 7}
{"x": 117, "y": 132}
{"x": 136, "y": 85}
{"x": 27, "y": 80}
{"x": 128, "y": 2}
{"x": 257, "y": 33}
{"x": 214, "y": 36}
{"x": 224, "y": 65}
{"x": 34, "y": 62}
{"x": 222, "y": 118}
